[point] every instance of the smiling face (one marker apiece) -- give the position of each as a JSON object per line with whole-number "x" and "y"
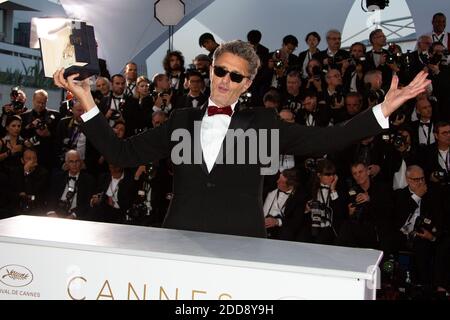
{"x": 225, "y": 92}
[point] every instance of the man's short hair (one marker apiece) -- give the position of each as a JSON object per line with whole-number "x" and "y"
{"x": 355, "y": 95}
{"x": 309, "y": 94}
{"x": 243, "y": 50}
{"x": 411, "y": 168}
{"x": 272, "y": 96}
{"x": 290, "y": 39}
{"x": 438, "y": 14}
{"x": 254, "y": 36}
{"x": 370, "y": 74}
{"x": 71, "y": 151}
{"x": 313, "y": 34}
{"x": 117, "y": 75}
{"x": 335, "y": 31}
{"x": 439, "y": 125}
{"x": 295, "y": 73}
{"x": 202, "y": 57}
{"x": 373, "y": 33}
{"x": 40, "y": 92}
{"x": 357, "y": 163}
{"x": 291, "y": 176}
{"x": 358, "y": 44}
{"x": 205, "y": 37}
{"x": 194, "y": 73}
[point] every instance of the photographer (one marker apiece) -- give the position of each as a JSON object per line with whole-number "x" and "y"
{"x": 281, "y": 202}
{"x": 325, "y": 210}
{"x": 195, "y": 98}
{"x": 417, "y": 213}
{"x": 116, "y": 192}
{"x": 378, "y": 58}
{"x": 120, "y": 106}
{"x": 69, "y": 136}
{"x": 312, "y": 114}
{"x": 292, "y": 97}
{"x": 28, "y": 185}
{"x": 436, "y": 158}
{"x": 374, "y": 93}
{"x": 38, "y": 127}
{"x": 103, "y": 85}
{"x": 353, "y": 106}
{"x": 423, "y": 128}
{"x": 15, "y": 107}
{"x": 285, "y": 57}
{"x": 71, "y": 190}
{"x": 316, "y": 79}
{"x": 401, "y": 153}
{"x": 334, "y": 95}
{"x": 131, "y": 75}
{"x": 333, "y": 57}
{"x": 439, "y": 74}
{"x": 11, "y": 145}
{"x": 173, "y": 64}
{"x": 369, "y": 207}
{"x": 312, "y": 39}
{"x": 353, "y": 69}
{"x": 162, "y": 94}
{"x": 421, "y": 57}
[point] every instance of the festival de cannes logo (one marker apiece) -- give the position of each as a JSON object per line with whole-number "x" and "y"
{"x": 15, "y": 276}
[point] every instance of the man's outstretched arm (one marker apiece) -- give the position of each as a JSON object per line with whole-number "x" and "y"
{"x": 132, "y": 152}
{"x": 300, "y": 140}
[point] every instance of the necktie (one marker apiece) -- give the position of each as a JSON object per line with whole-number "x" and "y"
{"x": 213, "y": 110}
{"x": 73, "y": 178}
{"x": 425, "y": 124}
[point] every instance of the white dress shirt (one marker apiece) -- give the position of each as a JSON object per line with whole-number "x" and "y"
{"x": 214, "y": 129}
{"x": 113, "y": 191}
{"x": 275, "y": 204}
{"x": 71, "y": 183}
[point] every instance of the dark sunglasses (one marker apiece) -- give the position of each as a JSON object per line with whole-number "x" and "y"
{"x": 234, "y": 76}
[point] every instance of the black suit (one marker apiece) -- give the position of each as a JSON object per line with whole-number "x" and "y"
{"x": 432, "y": 206}
{"x": 227, "y": 200}
{"x": 84, "y": 188}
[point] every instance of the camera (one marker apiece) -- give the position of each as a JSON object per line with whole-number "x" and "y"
{"x": 15, "y": 103}
{"x": 438, "y": 58}
{"x": 278, "y": 60}
{"x": 27, "y": 203}
{"x": 392, "y": 56}
{"x": 316, "y": 73}
{"x": 337, "y": 97}
{"x": 65, "y": 205}
{"x": 398, "y": 140}
{"x": 353, "y": 193}
{"x": 357, "y": 61}
{"x": 442, "y": 176}
{"x": 321, "y": 216}
{"x": 333, "y": 62}
{"x": 311, "y": 164}
{"x": 139, "y": 208}
{"x": 423, "y": 223}
{"x": 44, "y": 122}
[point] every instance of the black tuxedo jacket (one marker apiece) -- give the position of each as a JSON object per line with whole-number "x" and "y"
{"x": 85, "y": 190}
{"x": 431, "y": 206}
{"x": 228, "y": 199}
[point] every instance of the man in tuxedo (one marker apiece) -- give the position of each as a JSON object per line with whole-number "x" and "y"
{"x": 439, "y": 34}
{"x": 207, "y": 41}
{"x": 131, "y": 74}
{"x": 195, "y": 97}
{"x": 376, "y": 59}
{"x": 423, "y": 128}
{"x": 71, "y": 190}
{"x": 333, "y": 56}
{"x": 217, "y": 197}
{"x": 254, "y": 38}
{"x": 413, "y": 203}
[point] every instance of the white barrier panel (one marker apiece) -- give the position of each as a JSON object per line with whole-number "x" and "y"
{"x": 49, "y": 258}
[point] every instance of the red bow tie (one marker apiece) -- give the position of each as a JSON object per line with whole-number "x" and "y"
{"x": 213, "y": 110}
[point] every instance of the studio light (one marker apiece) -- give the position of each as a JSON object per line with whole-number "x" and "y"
{"x": 374, "y": 5}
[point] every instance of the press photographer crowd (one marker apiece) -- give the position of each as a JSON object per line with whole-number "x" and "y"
{"x": 388, "y": 192}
